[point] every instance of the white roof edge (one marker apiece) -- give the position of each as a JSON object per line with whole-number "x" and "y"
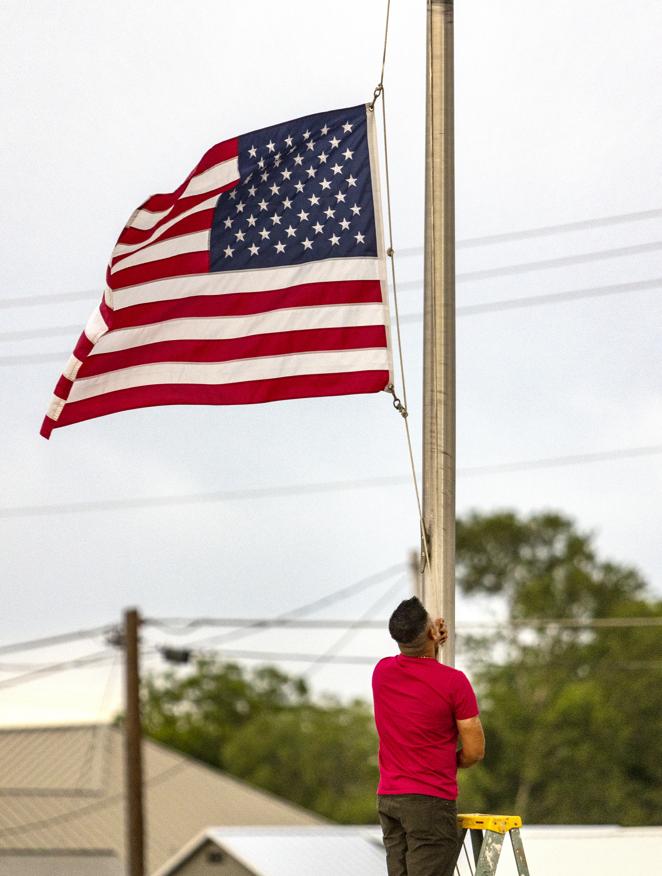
{"x": 292, "y": 830}
{"x": 185, "y": 852}
{"x": 594, "y": 829}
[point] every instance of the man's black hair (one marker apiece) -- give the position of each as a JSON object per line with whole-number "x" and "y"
{"x": 408, "y": 621}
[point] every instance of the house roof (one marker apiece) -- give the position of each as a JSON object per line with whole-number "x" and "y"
{"x": 59, "y": 862}
{"x": 62, "y": 788}
{"x": 282, "y": 851}
{"x": 577, "y": 850}
{"x": 571, "y": 850}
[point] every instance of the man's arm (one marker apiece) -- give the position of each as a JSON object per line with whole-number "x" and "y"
{"x": 473, "y": 742}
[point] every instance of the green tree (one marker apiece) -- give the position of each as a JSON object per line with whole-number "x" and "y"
{"x": 321, "y": 757}
{"x": 263, "y": 727}
{"x": 200, "y": 711}
{"x": 572, "y": 715}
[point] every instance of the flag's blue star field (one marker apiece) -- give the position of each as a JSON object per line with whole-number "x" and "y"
{"x": 304, "y": 194}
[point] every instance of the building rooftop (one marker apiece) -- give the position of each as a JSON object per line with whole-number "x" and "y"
{"x": 358, "y": 851}
{"x": 58, "y": 862}
{"x": 324, "y": 851}
{"x": 62, "y": 789}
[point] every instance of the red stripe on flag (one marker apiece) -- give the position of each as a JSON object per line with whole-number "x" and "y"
{"x": 246, "y": 303}
{"x": 197, "y": 222}
{"x": 63, "y": 387}
{"x": 248, "y": 392}
{"x": 83, "y": 347}
{"x": 218, "y": 153}
{"x": 174, "y": 266}
{"x": 132, "y": 235}
{"x": 273, "y": 344}
{"x": 47, "y": 427}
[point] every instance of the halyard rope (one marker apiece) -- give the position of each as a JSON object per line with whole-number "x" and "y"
{"x": 400, "y": 406}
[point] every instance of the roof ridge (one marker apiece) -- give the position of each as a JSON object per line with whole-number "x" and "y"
{"x": 42, "y": 728}
{"x": 64, "y": 852}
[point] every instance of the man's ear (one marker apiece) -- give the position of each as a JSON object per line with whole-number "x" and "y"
{"x": 430, "y": 632}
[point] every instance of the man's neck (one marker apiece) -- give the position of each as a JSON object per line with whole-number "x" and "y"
{"x": 417, "y": 652}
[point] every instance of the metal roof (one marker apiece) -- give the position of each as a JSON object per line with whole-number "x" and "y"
{"x": 62, "y": 788}
{"x": 357, "y": 851}
{"x": 49, "y": 862}
{"x": 283, "y": 851}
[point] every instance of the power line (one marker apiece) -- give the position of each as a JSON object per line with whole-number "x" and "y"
{"x": 355, "y": 659}
{"x": 559, "y": 262}
{"x": 353, "y": 628}
{"x": 528, "y": 301}
{"x": 48, "y": 298}
{"x": 196, "y": 498}
{"x": 47, "y": 641}
{"x": 316, "y": 605}
{"x": 250, "y": 627}
{"x": 297, "y": 657}
{"x": 544, "y": 230}
{"x": 21, "y": 667}
{"x": 188, "y": 625}
{"x": 559, "y": 461}
{"x": 318, "y": 488}
{"x": 96, "y": 734}
{"x": 29, "y": 334}
{"x": 99, "y": 656}
{"x": 34, "y": 359}
{"x": 523, "y": 302}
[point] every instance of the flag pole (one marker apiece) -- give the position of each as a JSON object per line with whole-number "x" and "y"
{"x": 135, "y": 830}
{"x": 438, "y": 584}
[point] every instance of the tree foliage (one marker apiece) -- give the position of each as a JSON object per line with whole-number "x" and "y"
{"x": 572, "y": 714}
{"x": 321, "y": 757}
{"x": 262, "y": 726}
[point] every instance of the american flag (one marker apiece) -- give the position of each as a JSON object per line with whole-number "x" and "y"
{"x": 262, "y": 277}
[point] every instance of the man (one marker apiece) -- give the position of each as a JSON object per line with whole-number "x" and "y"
{"x": 421, "y": 708}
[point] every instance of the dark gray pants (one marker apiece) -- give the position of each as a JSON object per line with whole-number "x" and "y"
{"x": 420, "y": 834}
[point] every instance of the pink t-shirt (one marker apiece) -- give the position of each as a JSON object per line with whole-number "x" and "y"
{"x": 417, "y": 702}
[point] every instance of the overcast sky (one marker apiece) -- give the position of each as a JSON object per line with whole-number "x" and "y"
{"x": 559, "y": 119}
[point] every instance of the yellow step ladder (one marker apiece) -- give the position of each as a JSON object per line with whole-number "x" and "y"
{"x": 487, "y": 834}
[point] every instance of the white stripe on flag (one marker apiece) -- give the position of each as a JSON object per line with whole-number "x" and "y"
{"x": 196, "y": 242}
{"x": 122, "y": 248}
{"x": 261, "y": 280}
{"x": 71, "y": 368}
{"x": 217, "y": 176}
{"x": 226, "y": 327}
{"x": 95, "y": 326}
{"x": 145, "y": 219}
{"x": 237, "y": 371}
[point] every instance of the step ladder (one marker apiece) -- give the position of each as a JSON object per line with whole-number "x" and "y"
{"x": 487, "y": 834}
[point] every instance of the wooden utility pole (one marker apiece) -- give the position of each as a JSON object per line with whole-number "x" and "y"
{"x": 135, "y": 830}
{"x": 439, "y": 324}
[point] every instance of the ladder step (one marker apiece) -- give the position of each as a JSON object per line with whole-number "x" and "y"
{"x": 487, "y": 835}
{"x": 496, "y": 823}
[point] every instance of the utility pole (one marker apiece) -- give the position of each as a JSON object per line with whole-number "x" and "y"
{"x": 439, "y": 324}
{"x": 135, "y": 831}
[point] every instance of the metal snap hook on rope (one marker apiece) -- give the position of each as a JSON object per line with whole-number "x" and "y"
{"x": 397, "y": 404}
{"x": 375, "y": 96}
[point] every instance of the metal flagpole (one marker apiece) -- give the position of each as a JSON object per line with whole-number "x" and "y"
{"x": 135, "y": 829}
{"x": 438, "y": 584}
